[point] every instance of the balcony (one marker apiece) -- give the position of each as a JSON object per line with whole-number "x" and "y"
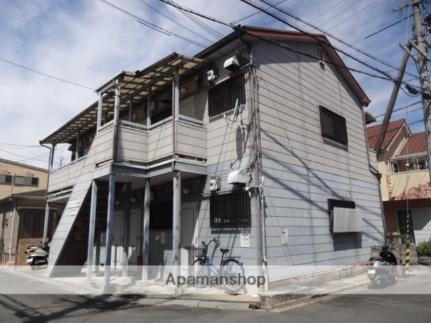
{"x": 401, "y": 183}
{"x": 139, "y": 145}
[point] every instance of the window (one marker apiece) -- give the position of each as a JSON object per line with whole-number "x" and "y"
{"x": 26, "y": 181}
{"x": 333, "y": 126}
{"x": 18, "y": 180}
{"x": 34, "y": 181}
{"x": 222, "y": 97}
{"x": 5, "y": 179}
{"x": 230, "y": 211}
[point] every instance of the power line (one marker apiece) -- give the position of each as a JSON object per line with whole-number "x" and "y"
{"x": 151, "y": 25}
{"x": 30, "y": 69}
{"x": 351, "y": 15}
{"x": 387, "y": 27}
{"x": 401, "y": 108}
{"x": 386, "y": 77}
{"x": 330, "y": 35}
{"x": 255, "y": 13}
{"x": 202, "y": 25}
{"x": 18, "y": 145}
{"x": 173, "y": 20}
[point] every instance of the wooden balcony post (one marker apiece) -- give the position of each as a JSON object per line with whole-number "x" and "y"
{"x": 91, "y": 229}
{"x": 146, "y": 230}
{"x": 109, "y": 226}
{"x": 176, "y": 219}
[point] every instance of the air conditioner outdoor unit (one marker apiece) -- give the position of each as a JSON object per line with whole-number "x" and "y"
{"x": 346, "y": 220}
{"x": 237, "y": 177}
{"x": 231, "y": 64}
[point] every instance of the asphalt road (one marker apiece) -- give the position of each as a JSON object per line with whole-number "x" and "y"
{"x": 75, "y": 308}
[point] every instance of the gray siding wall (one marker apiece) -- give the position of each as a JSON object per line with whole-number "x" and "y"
{"x": 301, "y": 171}
{"x": 227, "y": 150}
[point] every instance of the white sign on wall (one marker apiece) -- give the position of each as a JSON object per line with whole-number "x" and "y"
{"x": 245, "y": 239}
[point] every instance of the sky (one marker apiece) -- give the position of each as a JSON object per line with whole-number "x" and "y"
{"x": 89, "y": 42}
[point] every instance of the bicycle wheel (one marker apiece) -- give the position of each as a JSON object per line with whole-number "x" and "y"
{"x": 200, "y": 272}
{"x": 233, "y": 275}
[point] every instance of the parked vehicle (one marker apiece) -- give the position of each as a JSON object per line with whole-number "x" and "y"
{"x": 230, "y": 267}
{"x": 382, "y": 271}
{"x": 37, "y": 256}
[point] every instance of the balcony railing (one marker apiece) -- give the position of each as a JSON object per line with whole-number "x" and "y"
{"x": 139, "y": 144}
{"x": 401, "y": 183}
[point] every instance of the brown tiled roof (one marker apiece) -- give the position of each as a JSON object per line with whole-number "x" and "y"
{"x": 415, "y": 145}
{"x": 374, "y": 131}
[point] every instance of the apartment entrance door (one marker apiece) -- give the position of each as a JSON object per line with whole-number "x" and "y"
{"x": 189, "y": 231}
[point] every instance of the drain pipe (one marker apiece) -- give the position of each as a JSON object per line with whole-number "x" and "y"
{"x": 50, "y": 164}
{"x": 376, "y": 173}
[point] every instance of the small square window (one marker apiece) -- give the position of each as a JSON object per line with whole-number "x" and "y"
{"x": 34, "y": 181}
{"x": 333, "y": 126}
{"x": 230, "y": 211}
{"x": 223, "y": 97}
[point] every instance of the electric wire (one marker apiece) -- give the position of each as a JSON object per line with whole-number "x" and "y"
{"x": 57, "y": 78}
{"x": 150, "y": 24}
{"x": 173, "y": 20}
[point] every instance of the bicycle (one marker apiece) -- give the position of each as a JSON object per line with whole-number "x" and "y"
{"x": 230, "y": 271}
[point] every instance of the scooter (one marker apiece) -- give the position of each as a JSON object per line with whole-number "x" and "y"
{"x": 382, "y": 271}
{"x": 37, "y": 256}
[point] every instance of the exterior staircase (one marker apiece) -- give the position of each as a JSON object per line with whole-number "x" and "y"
{"x": 77, "y": 205}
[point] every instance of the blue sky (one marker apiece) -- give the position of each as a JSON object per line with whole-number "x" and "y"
{"x": 88, "y": 42}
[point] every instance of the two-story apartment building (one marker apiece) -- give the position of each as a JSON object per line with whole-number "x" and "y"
{"x": 405, "y": 184}
{"x": 22, "y": 208}
{"x": 258, "y": 140}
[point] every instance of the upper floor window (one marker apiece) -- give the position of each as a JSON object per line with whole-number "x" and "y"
{"x": 409, "y": 165}
{"x": 230, "y": 211}
{"x": 223, "y": 96}
{"x": 26, "y": 181}
{"x": 333, "y": 126}
{"x": 5, "y": 179}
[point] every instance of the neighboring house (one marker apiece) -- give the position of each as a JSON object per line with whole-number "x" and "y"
{"x": 259, "y": 146}
{"x": 405, "y": 182}
{"x": 19, "y": 178}
{"x": 22, "y": 205}
{"x": 21, "y": 224}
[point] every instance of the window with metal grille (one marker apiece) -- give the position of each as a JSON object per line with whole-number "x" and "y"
{"x": 26, "y": 181}
{"x": 230, "y": 211}
{"x": 222, "y": 97}
{"x": 5, "y": 179}
{"x": 333, "y": 126}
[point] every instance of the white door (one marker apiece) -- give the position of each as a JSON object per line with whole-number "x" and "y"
{"x": 189, "y": 231}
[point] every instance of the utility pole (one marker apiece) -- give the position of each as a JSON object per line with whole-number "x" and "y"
{"x": 420, "y": 44}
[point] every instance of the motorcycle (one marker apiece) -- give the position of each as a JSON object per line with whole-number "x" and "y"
{"x": 382, "y": 271}
{"x": 37, "y": 256}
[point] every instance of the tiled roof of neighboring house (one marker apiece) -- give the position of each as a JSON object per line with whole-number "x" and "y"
{"x": 39, "y": 194}
{"x": 374, "y": 131}
{"x": 12, "y": 162}
{"x": 416, "y": 144}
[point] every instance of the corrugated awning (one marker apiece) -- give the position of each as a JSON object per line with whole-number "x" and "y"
{"x": 134, "y": 86}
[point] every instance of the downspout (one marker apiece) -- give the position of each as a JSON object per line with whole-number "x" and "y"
{"x": 50, "y": 164}
{"x": 376, "y": 173}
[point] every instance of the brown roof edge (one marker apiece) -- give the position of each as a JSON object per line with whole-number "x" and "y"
{"x": 330, "y": 51}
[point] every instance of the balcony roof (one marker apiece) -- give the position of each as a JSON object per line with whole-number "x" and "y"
{"x": 134, "y": 85}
